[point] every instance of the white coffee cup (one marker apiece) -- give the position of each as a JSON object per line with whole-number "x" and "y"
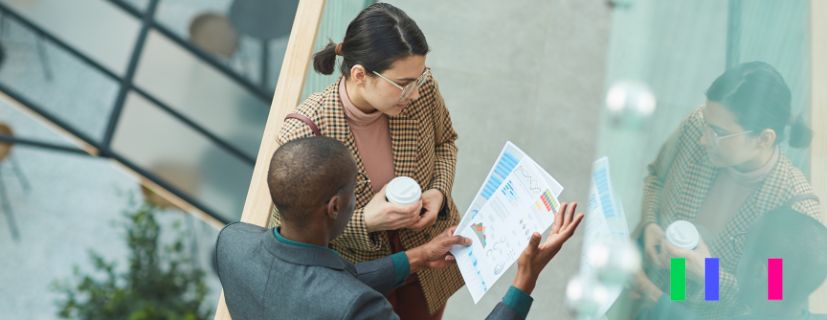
{"x": 683, "y": 234}
{"x": 403, "y": 190}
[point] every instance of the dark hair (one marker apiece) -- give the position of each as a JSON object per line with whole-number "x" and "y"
{"x": 798, "y": 239}
{"x": 760, "y": 99}
{"x": 377, "y": 37}
{"x": 305, "y": 173}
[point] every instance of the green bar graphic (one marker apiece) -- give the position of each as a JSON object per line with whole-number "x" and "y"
{"x": 677, "y": 279}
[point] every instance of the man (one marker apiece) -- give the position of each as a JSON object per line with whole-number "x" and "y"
{"x": 290, "y": 273}
{"x": 801, "y": 241}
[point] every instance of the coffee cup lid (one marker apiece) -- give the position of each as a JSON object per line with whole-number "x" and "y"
{"x": 403, "y": 190}
{"x": 683, "y": 234}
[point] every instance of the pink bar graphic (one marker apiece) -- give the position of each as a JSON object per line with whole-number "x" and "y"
{"x": 775, "y": 277}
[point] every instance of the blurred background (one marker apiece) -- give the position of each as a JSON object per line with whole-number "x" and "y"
{"x": 131, "y": 128}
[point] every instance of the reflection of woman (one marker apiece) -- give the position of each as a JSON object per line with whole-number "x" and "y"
{"x": 722, "y": 170}
{"x": 387, "y": 109}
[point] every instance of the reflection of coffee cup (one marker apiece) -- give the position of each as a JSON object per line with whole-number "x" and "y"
{"x": 683, "y": 234}
{"x": 403, "y": 190}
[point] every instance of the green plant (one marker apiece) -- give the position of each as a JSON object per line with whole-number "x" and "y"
{"x": 158, "y": 283}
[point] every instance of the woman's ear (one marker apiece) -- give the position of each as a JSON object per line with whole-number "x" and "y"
{"x": 767, "y": 138}
{"x": 358, "y": 74}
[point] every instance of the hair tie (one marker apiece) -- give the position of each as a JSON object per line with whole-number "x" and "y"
{"x": 338, "y": 49}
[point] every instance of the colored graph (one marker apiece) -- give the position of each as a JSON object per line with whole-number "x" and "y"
{"x": 601, "y": 180}
{"x": 479, "y": 230}
{"x": 501, "y": 170}
{"x": 547, "y": 202}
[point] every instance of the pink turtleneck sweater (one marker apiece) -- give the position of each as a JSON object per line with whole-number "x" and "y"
{"x": 373, "y": 141}
{"x": 727, "y": 195}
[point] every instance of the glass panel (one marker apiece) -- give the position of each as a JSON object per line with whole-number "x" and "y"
{"x": 23, "y": 126}
{"x": 141, "y": 5}
{"x": 201, "y": 93}
{"x": 235, "y": 32}
{"x": 94, "y": 27}
{"x": 707, "y": 164}
{"x": 165, "y": 147}
{"x": 52, "y": 79}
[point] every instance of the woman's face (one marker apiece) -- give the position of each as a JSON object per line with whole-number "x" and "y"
{"x": 384, "y": 96}
{"x": 726, "y": 142}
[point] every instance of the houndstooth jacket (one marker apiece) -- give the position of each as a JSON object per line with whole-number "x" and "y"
{"x": 422, "y": 138}
{"x": 676, "y": 187}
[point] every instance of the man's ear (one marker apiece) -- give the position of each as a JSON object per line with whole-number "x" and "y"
{"x": 333, "y": 207}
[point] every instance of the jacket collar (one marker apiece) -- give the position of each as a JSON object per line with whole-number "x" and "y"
{"x": 299, "y": 252}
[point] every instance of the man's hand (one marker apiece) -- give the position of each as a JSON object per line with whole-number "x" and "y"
{"x": 434, "y": 254}
{"x": 536, "y": 256}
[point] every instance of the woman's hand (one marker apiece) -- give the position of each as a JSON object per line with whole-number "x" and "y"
{"x": 653, "y": 236}
{"x": 695, "y": 259}
{"x": 382, "y": 215}
{"x": 432, "y": 201}
{"x": 645, "y": 288}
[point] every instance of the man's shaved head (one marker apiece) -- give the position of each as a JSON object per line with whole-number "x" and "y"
{"x": 306, "y": 173}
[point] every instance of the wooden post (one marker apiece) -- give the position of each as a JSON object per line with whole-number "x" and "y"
{"x": 818, "y": 114}
{"x": 289, "y": 88}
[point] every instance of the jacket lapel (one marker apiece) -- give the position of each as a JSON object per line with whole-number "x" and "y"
{"x": 766, "y": 198}
{"x": 404, "y": 131}
{"x": 339, "y": 129}
{"x": 696, "y": 189}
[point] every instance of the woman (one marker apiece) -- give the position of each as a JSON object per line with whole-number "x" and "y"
{"x": 722, "y": 170}
{"x": 386, "y": 107}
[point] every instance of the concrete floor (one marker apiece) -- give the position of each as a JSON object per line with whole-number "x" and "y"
{"x": 531, "y": 72}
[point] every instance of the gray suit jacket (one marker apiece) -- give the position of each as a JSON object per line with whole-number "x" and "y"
{"x": 264, "y": 278}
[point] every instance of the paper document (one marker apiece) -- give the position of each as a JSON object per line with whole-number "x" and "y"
{"x": 605, "y": 223}
{"x": 517, "y": 199}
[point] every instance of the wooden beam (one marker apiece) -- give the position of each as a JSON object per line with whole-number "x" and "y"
{"x": 818, "y": 114}
{"x": 289, "y": 88}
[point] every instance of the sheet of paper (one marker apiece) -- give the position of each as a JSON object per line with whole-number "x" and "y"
{"x": 508, "y": 159}
{"x": 523, "y": 202}
{"x": 605, "y": 221}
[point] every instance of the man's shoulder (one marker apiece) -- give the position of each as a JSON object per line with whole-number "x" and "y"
{"x": 238, "y": 237}
{"x": 240, "y": 230}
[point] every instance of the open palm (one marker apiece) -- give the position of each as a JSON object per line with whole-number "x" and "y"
{"x": 537, "y": 255}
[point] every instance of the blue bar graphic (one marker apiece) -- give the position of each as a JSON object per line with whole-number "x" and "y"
{"x": 712, "y": 271}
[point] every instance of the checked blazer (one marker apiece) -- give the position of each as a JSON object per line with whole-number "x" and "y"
{"x": 677, "y": 185}
{"x": 423, "y": 142}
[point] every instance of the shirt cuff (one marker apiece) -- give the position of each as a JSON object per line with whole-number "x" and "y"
{"x": 401, "y": 266}
{"x": 518, "y": 301}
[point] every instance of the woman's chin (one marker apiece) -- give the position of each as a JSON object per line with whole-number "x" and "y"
{"x": 716, "y": 161}
{"x": 395, "y": 110}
